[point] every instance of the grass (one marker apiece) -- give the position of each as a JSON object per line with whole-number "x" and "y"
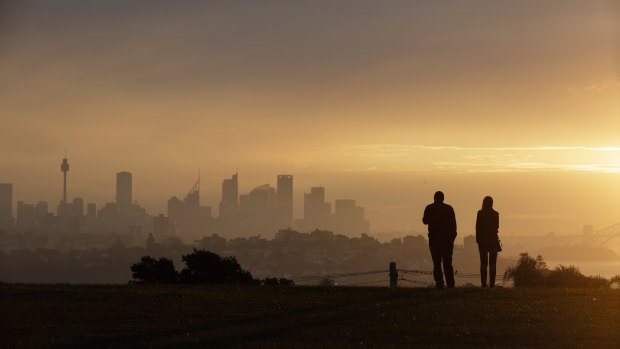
{"x": 255, "y": 316}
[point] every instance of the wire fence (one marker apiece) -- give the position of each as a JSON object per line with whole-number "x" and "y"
{"x": 405, "y": 277}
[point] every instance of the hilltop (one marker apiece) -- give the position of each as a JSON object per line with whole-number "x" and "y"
{"x": 251, "y": 316}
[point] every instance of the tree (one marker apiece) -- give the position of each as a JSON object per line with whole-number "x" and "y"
{"x": 149, "y": 270}
{"x": 204, "y": 267}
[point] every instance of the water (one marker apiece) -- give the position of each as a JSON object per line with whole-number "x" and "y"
{"x": 606, "y": 269}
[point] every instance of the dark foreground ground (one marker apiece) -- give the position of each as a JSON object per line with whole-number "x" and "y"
{"x": 201, "y": 316}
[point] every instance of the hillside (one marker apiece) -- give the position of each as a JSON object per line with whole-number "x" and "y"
{"x": 196, "y": 316}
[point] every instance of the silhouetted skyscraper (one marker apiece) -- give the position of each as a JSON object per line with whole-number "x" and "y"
{"x": 40, "y": 211}
{"x": 25, "y": 216}
{"x": 317, "y": 212}
{"x": 229, "y": 206}
{"x": 187, "y": 216}
{"x": 91, "y": 210}
{"x": 284, "y": 200}
{"x": 349, "y": 218}
{"x": 261, "y": 207}
{"x": 77, "y": 207}
{"x": 6, "y": 204}
{"x": 123, "y": 192}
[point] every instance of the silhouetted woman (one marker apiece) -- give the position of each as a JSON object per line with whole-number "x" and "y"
{"x": 487, "y": 225}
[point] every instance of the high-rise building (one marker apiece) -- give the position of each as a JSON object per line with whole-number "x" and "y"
{"x": 77, "y": 207}
{"x": 349, "y": 218}
{"x": 317, "y": 212}
{"x": 91, "y": 211}
{"x": 261, "y": 208}
{"x": 229, "y": 206}
{"x": 162, "y": 227}
{"x": 40, "y": 212}
{"x": 187, "y": 217}
{"x": 124, "y": 192}
{"x": 284, "y": 200}
{"x": 6, "y": 204}
{"x": 25, "y": 216}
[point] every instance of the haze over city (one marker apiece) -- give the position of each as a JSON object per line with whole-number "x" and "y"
{"x": 384, "y": 103}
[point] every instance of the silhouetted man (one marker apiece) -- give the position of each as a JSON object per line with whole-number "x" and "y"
{"x": 441, "y": 234}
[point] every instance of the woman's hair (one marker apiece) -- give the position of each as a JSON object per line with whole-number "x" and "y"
{"x": 487, "y": 203}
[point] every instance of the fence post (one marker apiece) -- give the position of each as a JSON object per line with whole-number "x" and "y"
{"x": 393, "y": 275}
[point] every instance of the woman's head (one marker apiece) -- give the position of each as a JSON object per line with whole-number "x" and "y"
{"x": 487, "y": 203}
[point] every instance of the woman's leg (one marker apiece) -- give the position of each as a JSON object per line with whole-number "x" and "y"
{"x": 492, "y": 267}
{"x": 484, "y": 261}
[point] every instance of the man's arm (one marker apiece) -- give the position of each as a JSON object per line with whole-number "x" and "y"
{"x": 478, "y": 226}
{"x": 453, "y": 222}
{"x": 425, "y": 217}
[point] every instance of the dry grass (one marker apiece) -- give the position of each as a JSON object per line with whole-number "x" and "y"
{"x": 249, "y": 316}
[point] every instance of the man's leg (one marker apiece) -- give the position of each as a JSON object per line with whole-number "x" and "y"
{"x": 447, "y": 263}
{"x": 484, "y": 261}
{"x": 492, "y": 267}
{"x": 435, "y": 248}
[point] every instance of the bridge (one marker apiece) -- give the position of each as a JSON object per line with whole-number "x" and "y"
{"x": 608, "y": 233}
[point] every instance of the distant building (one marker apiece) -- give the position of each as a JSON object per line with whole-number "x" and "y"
{"x": 25, "y": 217}
{"x": 6, "y": 205}
{"x": 162, "y": 227}
{"x": 124, "y": 198}
{"x": 229, "y": 206}
{"x": 317, "y": 212}
{"x": 40, "y": 212}
{"x": 91, "y": 211}
{"x": 284, "y": 201}
{"x": 349, "y": 218}
{"x": 244, "y": 208}
{"x": 261, "y": 207}
{"x": 187, "y": 216}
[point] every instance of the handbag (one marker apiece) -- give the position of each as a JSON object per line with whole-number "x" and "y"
{"x": 498, "y": 245}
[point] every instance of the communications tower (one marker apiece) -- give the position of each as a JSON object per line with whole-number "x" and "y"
{"x": 64, "y": 167}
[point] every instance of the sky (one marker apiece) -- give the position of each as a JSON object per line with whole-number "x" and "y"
{"x": 382, "y": 102}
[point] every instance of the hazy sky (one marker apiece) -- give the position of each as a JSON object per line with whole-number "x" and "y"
{"x": 380, "y": 101}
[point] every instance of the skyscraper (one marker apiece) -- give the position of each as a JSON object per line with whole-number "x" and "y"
{"x": 123, "y": 192}
{"x": 284, "y": 200}
{"x": 349, "y": 218}
{"x": 6, "y": 204}
{"x": 229, "y": 206}
{"x": 317, "y": 212}
{"x": 25, "y": 216}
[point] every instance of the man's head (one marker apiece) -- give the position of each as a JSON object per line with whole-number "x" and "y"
{"x": 438, "y": 197}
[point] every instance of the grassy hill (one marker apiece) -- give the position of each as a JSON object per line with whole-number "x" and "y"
{"x": 255, "y": 316}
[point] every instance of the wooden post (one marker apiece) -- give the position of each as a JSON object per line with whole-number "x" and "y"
{"x": 393, "y": 275}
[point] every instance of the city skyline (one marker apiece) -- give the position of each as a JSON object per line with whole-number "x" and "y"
{"x": 299, "y": 203}
{"x": 382, "y": 102}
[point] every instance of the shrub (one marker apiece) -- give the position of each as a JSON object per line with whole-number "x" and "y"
{"x": 204, "y": 267}
{"x": 530, "y": 272}
{"x": 150, "y": 270}
{"x": 564, "y": 276}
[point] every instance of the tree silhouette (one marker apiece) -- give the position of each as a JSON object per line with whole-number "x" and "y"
{"x": 150, "y": 270}
{"x": 204, "y": 267}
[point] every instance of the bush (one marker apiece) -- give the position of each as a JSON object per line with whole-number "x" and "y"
{"x": 530, "y": 272}
{"x": 204, "y": 267}
{"x": 149, "y": 270}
